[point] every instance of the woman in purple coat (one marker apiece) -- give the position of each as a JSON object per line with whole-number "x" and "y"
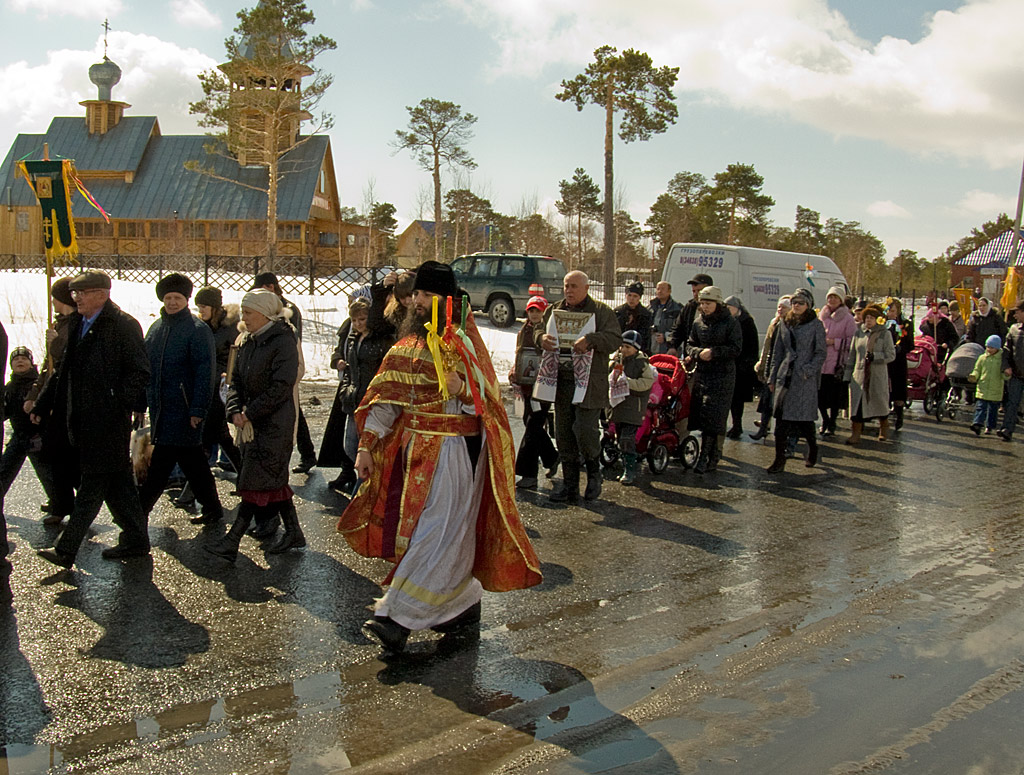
{"x": 840, "y": 327}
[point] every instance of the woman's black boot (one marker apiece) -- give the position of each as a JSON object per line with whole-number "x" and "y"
{"x": 227, "y": 547}
{"x": 781, "y": 441}
{"x": 293, "y": 537}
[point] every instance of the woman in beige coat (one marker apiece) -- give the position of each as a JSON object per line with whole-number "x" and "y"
{"x": 868, "y": 375}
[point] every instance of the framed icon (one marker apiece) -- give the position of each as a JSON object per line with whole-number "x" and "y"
{"x": 527, "y": 366}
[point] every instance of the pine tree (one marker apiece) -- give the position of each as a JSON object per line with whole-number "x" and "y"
{"x": 256, "y": 102}
{"x": 631, "y": 85}
{"x": 579, "y": 200}
{"x": 437, "y": 134}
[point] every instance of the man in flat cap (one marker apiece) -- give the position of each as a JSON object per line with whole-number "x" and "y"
{"x": 181, "y": 385}
{"x": 438, "y": 496}
{"x": 101, "y": 378}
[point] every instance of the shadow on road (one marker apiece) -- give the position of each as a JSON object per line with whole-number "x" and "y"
{"x": 23, "y": 711}
{"x": 141, "y": 627}
{"x": 552, "y": 702}
{"x": 314, "y": 580}
{"x": 643, "y": 524}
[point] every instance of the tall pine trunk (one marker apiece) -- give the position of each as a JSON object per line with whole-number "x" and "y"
{"x": 437, "y": 207}
{"x": 609, "y": 222}
{"x": 270, "y": 263}
{"x": 579, "y": 236}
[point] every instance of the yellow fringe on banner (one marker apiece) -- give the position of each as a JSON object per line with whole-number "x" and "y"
{"x": 51, "y": 182}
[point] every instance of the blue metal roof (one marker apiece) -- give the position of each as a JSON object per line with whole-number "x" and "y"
{"x": 14, "y": 191}
{"x": 119, "y": 150}
{"x": 162, "y": 185}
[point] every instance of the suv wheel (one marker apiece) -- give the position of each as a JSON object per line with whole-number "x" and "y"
{"x": 501, "y": 312}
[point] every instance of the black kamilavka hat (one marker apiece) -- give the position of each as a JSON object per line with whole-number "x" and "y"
{"x": 435, "y": 277}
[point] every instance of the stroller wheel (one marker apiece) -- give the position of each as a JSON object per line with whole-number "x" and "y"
{"x": 609, "y": 452}
{"x": 657, "y": 458}
{"x": 689, "y": 451}
{"x": 929, "y": 401}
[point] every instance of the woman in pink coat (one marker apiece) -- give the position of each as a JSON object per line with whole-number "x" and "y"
{"x": 839, "y": 330}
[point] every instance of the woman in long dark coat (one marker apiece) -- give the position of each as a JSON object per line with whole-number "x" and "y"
{"x": 714, "y": 344}
{"x": 745, "y": 376}
{"x": 332, "y": 447}
{"x": 800, "y": 352}
{"x": 223, "y": 322}
{"x": 763, "y": 368}
{"x": 903, "y": 341}
{"x": 360, "y": 350}
{"x": 262, "y": 405}
{"x": 985, "y": 322}
{"x": 369, "y": 339}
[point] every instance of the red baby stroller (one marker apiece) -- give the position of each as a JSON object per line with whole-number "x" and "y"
{"x": 657, "y": 437}
{"x": 925, "y": 374}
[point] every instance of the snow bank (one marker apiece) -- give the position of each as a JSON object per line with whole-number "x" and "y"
{"x": 23, "y": 313}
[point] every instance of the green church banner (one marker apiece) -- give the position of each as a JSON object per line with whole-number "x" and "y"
{"x": 51, "y": 181}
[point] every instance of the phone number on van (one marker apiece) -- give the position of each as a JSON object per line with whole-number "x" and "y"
{"x": 709, "y": 262}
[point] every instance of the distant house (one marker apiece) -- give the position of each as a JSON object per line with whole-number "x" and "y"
{"x": 158, "y": 208}
{"x": 416, "y": 243}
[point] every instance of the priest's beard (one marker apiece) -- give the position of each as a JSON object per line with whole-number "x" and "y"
{"x": 415, "y": 324}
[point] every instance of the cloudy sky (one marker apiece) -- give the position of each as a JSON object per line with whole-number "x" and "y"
{"x": 904, "y": 115}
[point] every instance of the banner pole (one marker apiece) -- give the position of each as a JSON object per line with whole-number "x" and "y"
{"x": 1015, "y": 240}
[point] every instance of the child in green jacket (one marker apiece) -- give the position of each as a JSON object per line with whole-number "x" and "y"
{"x": 989, "y": 377}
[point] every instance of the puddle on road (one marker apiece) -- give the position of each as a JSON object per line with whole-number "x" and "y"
{"x": 191, "y": 724}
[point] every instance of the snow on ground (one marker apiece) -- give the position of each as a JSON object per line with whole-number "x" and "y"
{"x": 23, "y": 313}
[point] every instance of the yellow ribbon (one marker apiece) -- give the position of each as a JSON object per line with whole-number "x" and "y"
{"x": 434, "y": 345}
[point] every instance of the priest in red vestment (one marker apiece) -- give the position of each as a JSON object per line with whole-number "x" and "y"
{"x": 436, "y": 456}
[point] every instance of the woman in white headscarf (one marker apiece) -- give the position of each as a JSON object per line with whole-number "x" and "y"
{"x": 262, "y": 406}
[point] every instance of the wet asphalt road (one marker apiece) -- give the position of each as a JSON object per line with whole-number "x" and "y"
{"x": 861, "y": 616}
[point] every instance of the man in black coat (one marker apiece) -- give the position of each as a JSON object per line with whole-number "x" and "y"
{"x": 102, "y": 374}
{"x": 303, "y": 441}
{"x": 182, "y": 360}
{"x": 664, "y": 312}
{"x": 5, "y": 564}
{"x": 634, "y": 316}
{"x": 681, "y": 334}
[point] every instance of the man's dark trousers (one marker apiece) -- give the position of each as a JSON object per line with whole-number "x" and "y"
{"x": 122, "y": 498}
{"x": 194, "y": 463}
{"x": 577, "y": 430}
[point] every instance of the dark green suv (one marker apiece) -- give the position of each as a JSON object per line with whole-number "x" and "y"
{"x": 502, "y": 283}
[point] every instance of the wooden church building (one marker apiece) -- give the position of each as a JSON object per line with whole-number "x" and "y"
{"x": 158, "y": 208}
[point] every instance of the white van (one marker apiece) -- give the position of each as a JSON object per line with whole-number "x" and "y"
{"x": 757, "y": 275}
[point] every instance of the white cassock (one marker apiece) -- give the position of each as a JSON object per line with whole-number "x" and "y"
{"x": 434, "y": 580}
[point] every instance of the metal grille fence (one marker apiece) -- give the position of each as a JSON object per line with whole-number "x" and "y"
{"x": 296, "y": 274}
